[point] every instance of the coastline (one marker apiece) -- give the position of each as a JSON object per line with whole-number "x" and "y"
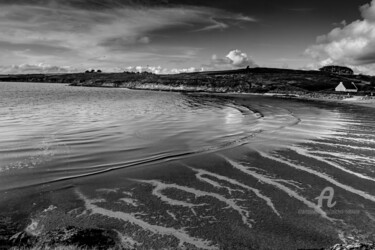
{"x": 327, "y": 96}
{"x": 281, "y": 83}
{"x": 365, "y": 101}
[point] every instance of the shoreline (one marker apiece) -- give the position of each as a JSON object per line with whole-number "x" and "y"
{"x": 362, "y": 100}
{"x": 365, "y": 101}
{"x": 281, "y": 83}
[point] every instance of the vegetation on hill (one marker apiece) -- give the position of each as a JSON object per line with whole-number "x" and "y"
{"x": 243, "y": 80}
{"x": 341, "y": 70}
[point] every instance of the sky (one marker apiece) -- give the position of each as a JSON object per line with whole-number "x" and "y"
{"x": 173, "y": 36}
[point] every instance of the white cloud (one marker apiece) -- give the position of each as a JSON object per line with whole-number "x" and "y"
{"x": 186, "y": 70}
{"x": 36, "y": 68}
{"x": 239, "y": 59}
{"x": 160, "y": 70}
{"x": 151, "y": 69}
{"x": 234, "y": 59}
{"x": 214, "y": 22}
{"x": 368, "y": 11}
{"x": 351, "y": 45}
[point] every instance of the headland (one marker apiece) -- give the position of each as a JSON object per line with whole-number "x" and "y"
{"x": 286, "y": 83}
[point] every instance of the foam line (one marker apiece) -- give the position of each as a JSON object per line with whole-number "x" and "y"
{"x": 172, "y": 215}
{"x": 180, "y": 234}
{"x": 127, "y": 193}
{"x": 292, "y": 183}
{"x": 345, "y": 146}
{"x": 198, "y": 193}
{"x": 361, "y": 140}
{"x": 357, "y": 133}
{"x": 321, "y": 175}
{"x": 200, "y": 176}
{"x": 346, "y": 156}
{"x": 157, "y": 191}
{"x": 281, "y": 187}
{"x": 130, "y": 201}
{"x": 343, "y": 121}
{"x": 321, "y": 159}
{"x": 268, "y": 201}
{"x": 107, "y": 190}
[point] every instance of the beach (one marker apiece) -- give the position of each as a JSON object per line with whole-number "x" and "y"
{"x": 356, "y": 99}
{"x": 187, "y": 125}
{"x": 195, "y": 171}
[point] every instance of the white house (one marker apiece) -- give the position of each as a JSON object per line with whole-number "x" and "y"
{"x": 346, "y": 87}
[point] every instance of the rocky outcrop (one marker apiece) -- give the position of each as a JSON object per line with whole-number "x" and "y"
{"x": 88, "y": 238}
{"x": 355, "y": 246}
{"x": 178, "y": 88}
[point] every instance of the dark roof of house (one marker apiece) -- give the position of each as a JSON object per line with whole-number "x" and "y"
{"x": 349, "y": 85}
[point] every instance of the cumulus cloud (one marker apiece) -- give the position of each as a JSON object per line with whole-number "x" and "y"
{"x": 234, "y": 59}
{"x": 239, "y": 59}
{"x": 352, "y": 45}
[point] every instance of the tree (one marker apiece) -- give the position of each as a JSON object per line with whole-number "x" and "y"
{"x": 340, "y": 70}
{"x": 98, "y": 71}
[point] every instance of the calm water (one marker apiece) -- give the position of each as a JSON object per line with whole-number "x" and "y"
{"x": 56, "y": 131}
{"x": 174, "y": 170}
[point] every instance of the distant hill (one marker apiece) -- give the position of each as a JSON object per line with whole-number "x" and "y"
{"x": 241, "y": 80}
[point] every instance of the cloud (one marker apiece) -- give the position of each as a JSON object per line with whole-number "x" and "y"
{"x": 368, "y": 11}
{"x": 234, "y": 59}
{"x": 239, "y": 59}
{"x": 151, "y": 69}
{"x": 144, "y": 40}
{"x": 352, "y": 45}
{"x": 34, "y": 48}
{"x": 36, "y": 68}
{"x": 160, "y": 70}
{"x": 186, "y": 70}
{"x": 88, "y": 4}
{"x": 61, "y": 23}
{"x": 224, "y": 20}
{"x": 102, "y": 34}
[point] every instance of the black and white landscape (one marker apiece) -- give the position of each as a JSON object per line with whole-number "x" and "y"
{"x": 187, "y": 124}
